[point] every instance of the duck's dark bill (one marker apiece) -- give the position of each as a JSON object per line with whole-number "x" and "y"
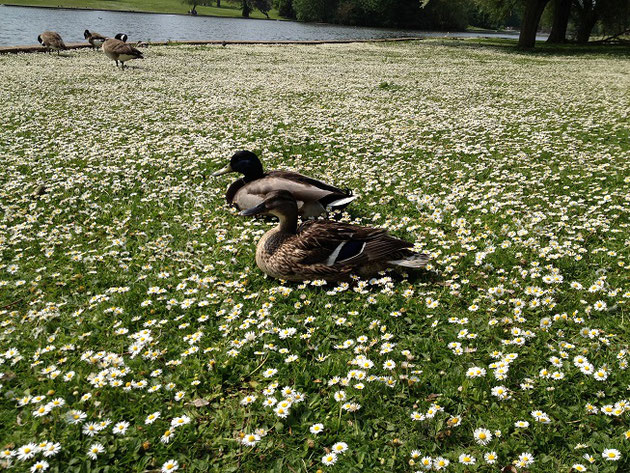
{"x": 225, "y": 170}
{"x": 254, "y": 210}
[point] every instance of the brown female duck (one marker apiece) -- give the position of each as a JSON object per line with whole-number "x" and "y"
{"x": 325, "y": 249}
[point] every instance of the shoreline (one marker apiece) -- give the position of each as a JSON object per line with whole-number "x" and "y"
{"x": 406, "y": 34}
{"x": 136, "y": 11}
{"x": 205, "y": 15}
{"x": 70, "y": 46}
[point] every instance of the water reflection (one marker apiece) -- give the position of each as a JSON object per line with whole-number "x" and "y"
{"x": 20, "y": 26}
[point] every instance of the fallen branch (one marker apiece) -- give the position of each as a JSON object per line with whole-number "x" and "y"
{"x": 613, "y": 37}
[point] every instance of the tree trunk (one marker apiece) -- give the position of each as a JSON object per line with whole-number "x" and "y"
{"x": 561, "y": 13}
{"x": 246, "y": 8}
{"x": 218, "y": 3}
{"x": 587, "y": 23}
{"x": 529, "y": 25}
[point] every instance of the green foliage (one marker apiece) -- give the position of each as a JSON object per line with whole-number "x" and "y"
{"x": 435, "y": 14}
{"x": 285, "y": 8}
{"x": 615, "y": 19}
{"x": 447, "y": 14}
{"x": 315, "y": 10}
{"x": 228, "y": 8}
{"x": 263, "y": 6}
{"x": 501, "y": 12}
{"x": 607, "y": 16}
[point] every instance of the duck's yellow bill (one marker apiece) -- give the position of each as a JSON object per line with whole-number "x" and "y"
{"x": 225, "y": 170}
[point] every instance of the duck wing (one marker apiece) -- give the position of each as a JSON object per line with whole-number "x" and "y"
{"x": 308, "y": 181}
{"x": 233, "y": 189}
{"x": 303, "y": 188}
{"x": 329, "y": 243}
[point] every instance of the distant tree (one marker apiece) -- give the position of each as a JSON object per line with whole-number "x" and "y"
{"x": 590, "y": 12}
{"x": 560, "y": 22}
{"x": 532, "y": 10}
{"x": 615, "y": 20}
{"x": 587, "y": 13}
{"x": 531, "y": 18}
{"x": 315, "y": 10}
{"x": 446, "y": 14}
{"x": 608, "y": 17}
{"x": 194, "y": 4}
{"x": 264, "y": 6}
{"x": 499, "y": 10}
{"x": 285, "y": 8}
{"x": 390, "y": 13}
{"x": 247, "y": 6}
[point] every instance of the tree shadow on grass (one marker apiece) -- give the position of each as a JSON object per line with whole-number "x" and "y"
{"x": 416, "y": 277}
{"x": 542, "y": 49}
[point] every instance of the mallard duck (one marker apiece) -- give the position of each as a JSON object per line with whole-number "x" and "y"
{"x": 117, "y": 50}
{"x": 95, "y": 39}
{"x": 52, "y": 41}
{"x": 325, "y": 249}
{"x": 313, "y": 196}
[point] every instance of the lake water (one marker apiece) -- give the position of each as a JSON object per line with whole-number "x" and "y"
{"x": 20, "y": 26}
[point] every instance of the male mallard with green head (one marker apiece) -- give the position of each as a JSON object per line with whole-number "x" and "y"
{"x": 325, "y": 249}
{"x": 313, "y": 196}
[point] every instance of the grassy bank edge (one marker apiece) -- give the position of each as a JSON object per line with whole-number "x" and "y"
{"x": 227, "y": 10}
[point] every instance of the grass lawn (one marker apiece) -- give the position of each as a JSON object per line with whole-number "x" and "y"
{"x": 228, "y": 8}
{"x": 136, "y": 329}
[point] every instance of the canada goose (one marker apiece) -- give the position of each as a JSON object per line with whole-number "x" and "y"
{"x": 95, "y": 39}
{"x": 119, "y": 51}
{"x": 313, "y": 196}
{"x": 325, "y": 249}
{"x": 52, "y": 41}
{"x": 122, "y": 37}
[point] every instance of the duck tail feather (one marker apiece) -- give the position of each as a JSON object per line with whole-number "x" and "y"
{"x": 417, "y": 260}
{"x": 342, "y": 202}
